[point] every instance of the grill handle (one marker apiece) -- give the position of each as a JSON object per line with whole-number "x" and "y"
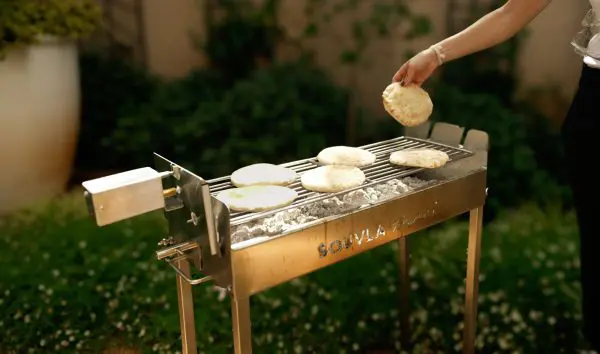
{"x": 182, "y": 253}
{"x": 188, "y": 279}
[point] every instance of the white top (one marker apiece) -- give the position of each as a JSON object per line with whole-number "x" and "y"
{"x": 587, "y": 41}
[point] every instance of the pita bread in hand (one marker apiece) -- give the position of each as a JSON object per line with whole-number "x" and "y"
{"x": 425, "y": 158}
{"x": 409, "y": 105}
{"x": 261, "y": 174}
{"x": 332, "y": 178}
{"x": 257, "y": 198}
{"x": 346, "y": 156}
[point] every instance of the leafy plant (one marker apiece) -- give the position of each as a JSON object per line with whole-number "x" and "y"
{"x": 514, "y": 173}
{"x": 243, "y": 35}
{"x": 282, "y": 112}
{"x": 383, "y": 18}
{"x": 24, "y": 22}
{"x": 243, "y": 38}
{"x": 111, "y": 90}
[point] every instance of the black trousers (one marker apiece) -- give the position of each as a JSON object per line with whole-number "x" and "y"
{"x": 582, "y": 142}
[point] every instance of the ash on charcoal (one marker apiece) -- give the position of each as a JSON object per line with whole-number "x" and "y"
{"x": 289, "y": 219}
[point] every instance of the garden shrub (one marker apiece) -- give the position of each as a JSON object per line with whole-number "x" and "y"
{"x": 111, "y": 89}
{"x": 69, "y": 286}
{"x": 22, "y": 23}
{"x": 282, "y": 112}
{"x": 515, "y": 174}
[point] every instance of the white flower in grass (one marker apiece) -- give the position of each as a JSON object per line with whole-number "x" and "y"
{"x": 479, "y": 342}
{"x": 503, "y": 343}
{"x": 496, "y": 254}
{"x": 515, "y": 316}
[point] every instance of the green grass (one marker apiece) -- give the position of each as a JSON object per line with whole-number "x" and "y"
{"x": 67, "y": 285}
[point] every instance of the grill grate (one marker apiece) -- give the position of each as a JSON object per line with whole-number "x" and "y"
{"x": 380, "y": 171}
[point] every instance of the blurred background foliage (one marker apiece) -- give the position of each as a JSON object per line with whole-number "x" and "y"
{"x": 236, "y": 112}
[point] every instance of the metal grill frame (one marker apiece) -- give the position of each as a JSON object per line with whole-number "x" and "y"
{"x": 252, "y": 268}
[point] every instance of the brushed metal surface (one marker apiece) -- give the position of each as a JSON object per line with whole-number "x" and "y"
{"x": 281, "y": 259}
{"x": 124, "y": 195}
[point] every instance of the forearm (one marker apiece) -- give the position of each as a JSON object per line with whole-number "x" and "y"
{"x": 490, "y": 30}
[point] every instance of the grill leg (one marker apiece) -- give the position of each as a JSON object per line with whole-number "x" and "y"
{"x": 186, "y": 311}
{"x": 242, "y": 335}
{"x": 472, "y": 283}
{"x": 403, "y": 266}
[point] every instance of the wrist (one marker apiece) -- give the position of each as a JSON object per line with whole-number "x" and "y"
{"x": 437, "y": 52}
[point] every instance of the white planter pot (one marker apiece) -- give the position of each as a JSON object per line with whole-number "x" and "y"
{"x": 39, "y": 122}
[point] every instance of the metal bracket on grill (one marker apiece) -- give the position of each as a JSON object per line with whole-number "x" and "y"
{"x": 474, "y": 140}
{"x": 184, "y": 251}
{"x": 213, "y": 236}
{"x": 191, "y": 188}
{"x": 202, "y": 221}
{"x": 127, "y": 194}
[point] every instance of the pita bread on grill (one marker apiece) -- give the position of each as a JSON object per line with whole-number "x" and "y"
{"x": 426, "y": 158}
{"x": 261, "y": 174}
{"x": 332, "y": 178}
{"x": 409, "y": 105}
{"x": 346, "y": 156}
{"x": 257, "y": 198}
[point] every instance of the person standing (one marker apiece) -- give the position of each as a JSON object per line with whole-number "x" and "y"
{"x": 579, "y": 130}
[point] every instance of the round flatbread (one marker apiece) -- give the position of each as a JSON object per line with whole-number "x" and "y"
{"x": 332, "y": 178}
{"x": 346, "y": 156}
{"x": 409, "y": 105}
{"x": 425, "y": 158}
{"x": 262, "y": 174}
{"x": 257, "y": 198}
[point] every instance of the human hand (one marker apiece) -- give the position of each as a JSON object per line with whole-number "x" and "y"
{"x": 418, "y": 68}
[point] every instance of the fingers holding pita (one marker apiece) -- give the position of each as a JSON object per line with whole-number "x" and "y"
{"x": 409, "y": 78}
{"x": 401, "y": 73}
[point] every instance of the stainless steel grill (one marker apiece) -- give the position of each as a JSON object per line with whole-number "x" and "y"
{"x": 200, "y": 226}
